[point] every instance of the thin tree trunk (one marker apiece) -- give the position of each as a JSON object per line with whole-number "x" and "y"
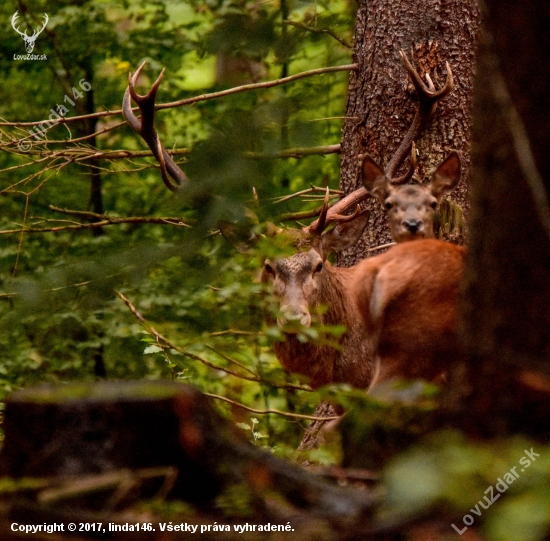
{"x": 382, "y": 102}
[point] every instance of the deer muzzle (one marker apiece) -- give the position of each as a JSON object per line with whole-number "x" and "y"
{"x": 294, "y": 315}
{"x": 413, "y": 225}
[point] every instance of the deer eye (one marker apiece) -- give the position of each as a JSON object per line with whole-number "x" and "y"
{"x": 434, "y": 205}
{"x": 268, "y": 268}
{"x": 318, "y": 268}
{"x": 388, "y": 205}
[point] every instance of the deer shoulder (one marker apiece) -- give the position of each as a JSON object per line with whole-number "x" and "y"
{"x": 408, "y": 298}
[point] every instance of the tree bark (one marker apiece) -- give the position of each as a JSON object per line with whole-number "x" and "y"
{"x": 506, "y": 313}
{"x": 381, "y": 100}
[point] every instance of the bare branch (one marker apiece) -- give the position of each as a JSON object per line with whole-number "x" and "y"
{"x": 162, "y": 341}
{"x": 297, "y": 152}
{"x": 104, "y": 221}
{"x": 195, "y": 99}
{"x": 265, "y": 412}
{"x": 328, "y": 31}
{"x": 313, "y": 189}
{"x": 89, "y": 153}
{"x": 256, "y": 86}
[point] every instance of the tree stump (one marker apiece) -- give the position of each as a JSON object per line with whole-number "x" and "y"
{"x": 86, "y": 442}
{"x": 86, "y": 429}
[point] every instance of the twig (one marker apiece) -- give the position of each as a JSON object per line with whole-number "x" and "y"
{"x": 229, "y": 331}
{"x": 227, "y": 358}
{"x": 163, "y": 340}
{"x": 256, "y": 86}
{"x": 82, "y": 154}
{"x": 297, "y": 152}
{"x": 313, "y": 189}
{"x": 146, "y": 219}
{"x": 108, "y": 221}
{"x": 265, "y": 412}
{"x": 328, "y": 31}
{"x": 297, "y": 216}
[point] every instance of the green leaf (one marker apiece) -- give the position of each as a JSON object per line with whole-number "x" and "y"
{"x": 152, "y": 349}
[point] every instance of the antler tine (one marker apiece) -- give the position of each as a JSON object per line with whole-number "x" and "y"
{"x": 354, "y": 197}
{"x": 321, "y": 223}
{"x": 412, "y": 166}
{"x": 13, "y": 22}
{"x": 428, "y": 97}
{"x": 146, "y": 128}
{"x": 325, "y": 219}
{"x": 46, "y": 19}
{"x": 428, "y": 92}
{"x": 343, "y": 217}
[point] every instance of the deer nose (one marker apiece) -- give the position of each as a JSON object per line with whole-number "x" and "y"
{"x": 291, "y": 315}
{"x": 412, "y": 225}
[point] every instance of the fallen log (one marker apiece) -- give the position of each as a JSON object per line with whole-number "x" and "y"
{"x": 95, "y": 449}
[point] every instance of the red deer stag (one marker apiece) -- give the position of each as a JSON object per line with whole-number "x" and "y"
{"x": 398, "y": 308}
{"x": 406, "y": 298}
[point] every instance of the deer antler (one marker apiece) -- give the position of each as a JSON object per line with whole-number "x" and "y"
{"x": 325, "y": 220}
{"x": 24, "y": 34}
{"x": 428, "y": 97}
{"x": 13, "y": 21}
{"x": 145, "y": 126}
{"x": 46, "y": 19}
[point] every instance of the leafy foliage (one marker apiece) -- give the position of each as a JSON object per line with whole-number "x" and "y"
{"x": 61, "y": 315}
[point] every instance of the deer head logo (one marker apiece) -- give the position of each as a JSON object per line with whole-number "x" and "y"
{"x": 29, "y": 40}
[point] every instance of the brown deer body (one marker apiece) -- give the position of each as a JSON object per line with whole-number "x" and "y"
{"x": 408, "y": 298}
{"x": 399, "y": 309}
{"x": 305, "y": 284}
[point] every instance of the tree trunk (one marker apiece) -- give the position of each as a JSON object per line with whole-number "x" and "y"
{"x": 506, "y": 316}
{"x": 381, "y": 100}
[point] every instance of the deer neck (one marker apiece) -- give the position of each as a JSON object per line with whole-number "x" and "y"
{"x": 334, "y": 293}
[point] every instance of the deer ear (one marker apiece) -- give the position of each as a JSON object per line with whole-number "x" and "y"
{"x": 374, "y": 179}
{"x": 447, "y": 175}
{"x": 344, "y": 234}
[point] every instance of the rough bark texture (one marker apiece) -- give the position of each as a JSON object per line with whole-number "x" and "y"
{"x": 506, "y": 315}
{"x": 382, "y": 102}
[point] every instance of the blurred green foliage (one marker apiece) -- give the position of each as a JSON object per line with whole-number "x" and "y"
{"x": 60, "y": 313}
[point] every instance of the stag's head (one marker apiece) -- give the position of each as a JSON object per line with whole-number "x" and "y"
{"x": 301, "y": 282}
{"x": 29, "y": 40}
{"x": 411, "y": 208}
